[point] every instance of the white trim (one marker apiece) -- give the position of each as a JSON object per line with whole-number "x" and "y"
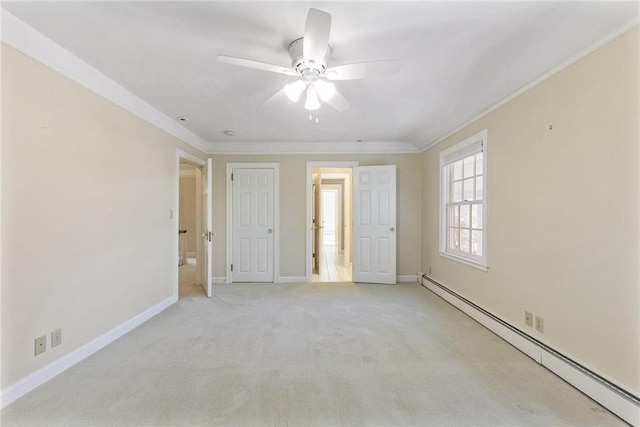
{"x": 465, "y": 261}
{"x": 291, "y": 279}
{"x": 219, "y": 279}
{"x": 412, "y": 278}
{"x": 29, "y": 41}
{"x": 550, "y": 73}
{"x": 180, "y": 154}
{"x": 483, "y": 262}
{"x": 41, "y": 376}
{"x": 617, "y": 404}
{"x": 276, "y": 214}
{"x": 309, "y": 205}
{"x": 344, "y": 147}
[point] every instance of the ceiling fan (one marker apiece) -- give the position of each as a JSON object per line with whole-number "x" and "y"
{"x": 309, "y": 57}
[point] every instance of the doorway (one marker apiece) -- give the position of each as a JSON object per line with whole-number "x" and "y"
{"x": 370, "y": 227}
{"x": 330, "y": 257}
{"x": 189, "y": 270}
{"x": 193, "y": 227}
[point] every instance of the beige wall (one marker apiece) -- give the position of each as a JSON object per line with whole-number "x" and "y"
{"x": 187, "y": 216}
{"x": 563, "y": 212}
{"x": 87, "y": 242}
{"x": 293, "y": 169}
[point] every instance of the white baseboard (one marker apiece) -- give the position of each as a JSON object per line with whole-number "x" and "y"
{"x": 291, "y": 279}
{"x": 615, "y": 402}
{"x": 406, "y": 278}
{"x": 220, "y": 279}
{"x": 42, "y": 375}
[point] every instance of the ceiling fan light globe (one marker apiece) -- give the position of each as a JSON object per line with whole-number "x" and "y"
{"x": 294, "y": 90}
{"x": 325, "y": 90}
{"x": 312, "y": 102}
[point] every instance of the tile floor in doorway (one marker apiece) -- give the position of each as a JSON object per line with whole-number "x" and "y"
{"x": 333, "y": 267}
{"x": 187, "y": 285}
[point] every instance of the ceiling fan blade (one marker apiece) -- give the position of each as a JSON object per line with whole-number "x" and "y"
{"x": 316, "y": 36}
{"x": 362, "y": 70}
{"x": 255, "y": 64}
{"x": 338, "y": 102}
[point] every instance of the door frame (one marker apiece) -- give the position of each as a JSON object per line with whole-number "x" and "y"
{"x": 276, "y": 215}
{"x": 309, "y": 220}
{"x": 180, "y": 154}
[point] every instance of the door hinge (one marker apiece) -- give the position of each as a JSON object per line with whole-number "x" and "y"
{"x": 232, "y": 177}
{"x": 210, "y": 236}
{"x": 231, "y": 267}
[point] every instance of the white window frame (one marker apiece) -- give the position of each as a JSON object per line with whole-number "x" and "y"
{"x": 474, "y": 261}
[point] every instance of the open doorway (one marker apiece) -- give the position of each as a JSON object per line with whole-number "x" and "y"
{"x": 193, "y": 234}
{"x": 331, "y": 257}
{"x": 189, "y": 228}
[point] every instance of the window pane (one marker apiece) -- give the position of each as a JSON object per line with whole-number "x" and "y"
{"x": 464, "y": 216}
{"x": 479, "y": 160}
{"x": 454, "y": 238}
{"x": 457, "y": 192}
{"x": 455, "y": 210}
{"x": 468, "y": 189}
{"x": 457, "y": 170}
{"x": 476, "y": 216}
{"x": 479, "y": 188}
{"x": 476, "y": 243}
{"x": 468, "y": 166}
{"x": 464, "y": 241}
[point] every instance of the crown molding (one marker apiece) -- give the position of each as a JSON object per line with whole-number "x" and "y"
{"x": 349, "y": 147}
{"x": 36, "y": 45}
{"x": 550, "y": 73}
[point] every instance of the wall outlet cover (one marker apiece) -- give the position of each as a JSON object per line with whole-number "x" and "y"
{"x": 528, "y": 318}
{"x": 56, "y": 338}
{"x": 40, "y": 345}
{"x": 539, "y": 324}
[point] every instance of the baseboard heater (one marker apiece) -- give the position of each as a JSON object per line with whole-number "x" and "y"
{"x": 619, "y": 391}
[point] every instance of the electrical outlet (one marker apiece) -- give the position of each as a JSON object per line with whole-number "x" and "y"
{"x": 56, "y": 338}
{"x": 539, "y": 324}
{"x": 41, "y": 345}
{"x": 528, "y": 318}
{"x": 429, "y": 271}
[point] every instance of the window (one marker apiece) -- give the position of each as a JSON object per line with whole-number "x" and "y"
{"x": 463, "y": 212}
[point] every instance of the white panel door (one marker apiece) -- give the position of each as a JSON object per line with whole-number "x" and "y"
{"x": 374, "y": 224}
{"x": 252, "y": 225}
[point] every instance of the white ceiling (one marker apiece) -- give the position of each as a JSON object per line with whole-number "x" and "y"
{"x": 458, "y": 59}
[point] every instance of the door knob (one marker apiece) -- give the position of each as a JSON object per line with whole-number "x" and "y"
{"x": 392, "y": 229}
{"x": 269, "y": 231}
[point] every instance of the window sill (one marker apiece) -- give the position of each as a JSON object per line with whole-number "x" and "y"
{"x": 465, "y": 261}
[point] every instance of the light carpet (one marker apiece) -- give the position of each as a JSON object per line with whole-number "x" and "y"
{"x": 312, "y": 354}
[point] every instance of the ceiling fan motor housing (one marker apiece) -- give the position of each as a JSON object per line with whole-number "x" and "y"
{"x": 303, "y": 67}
